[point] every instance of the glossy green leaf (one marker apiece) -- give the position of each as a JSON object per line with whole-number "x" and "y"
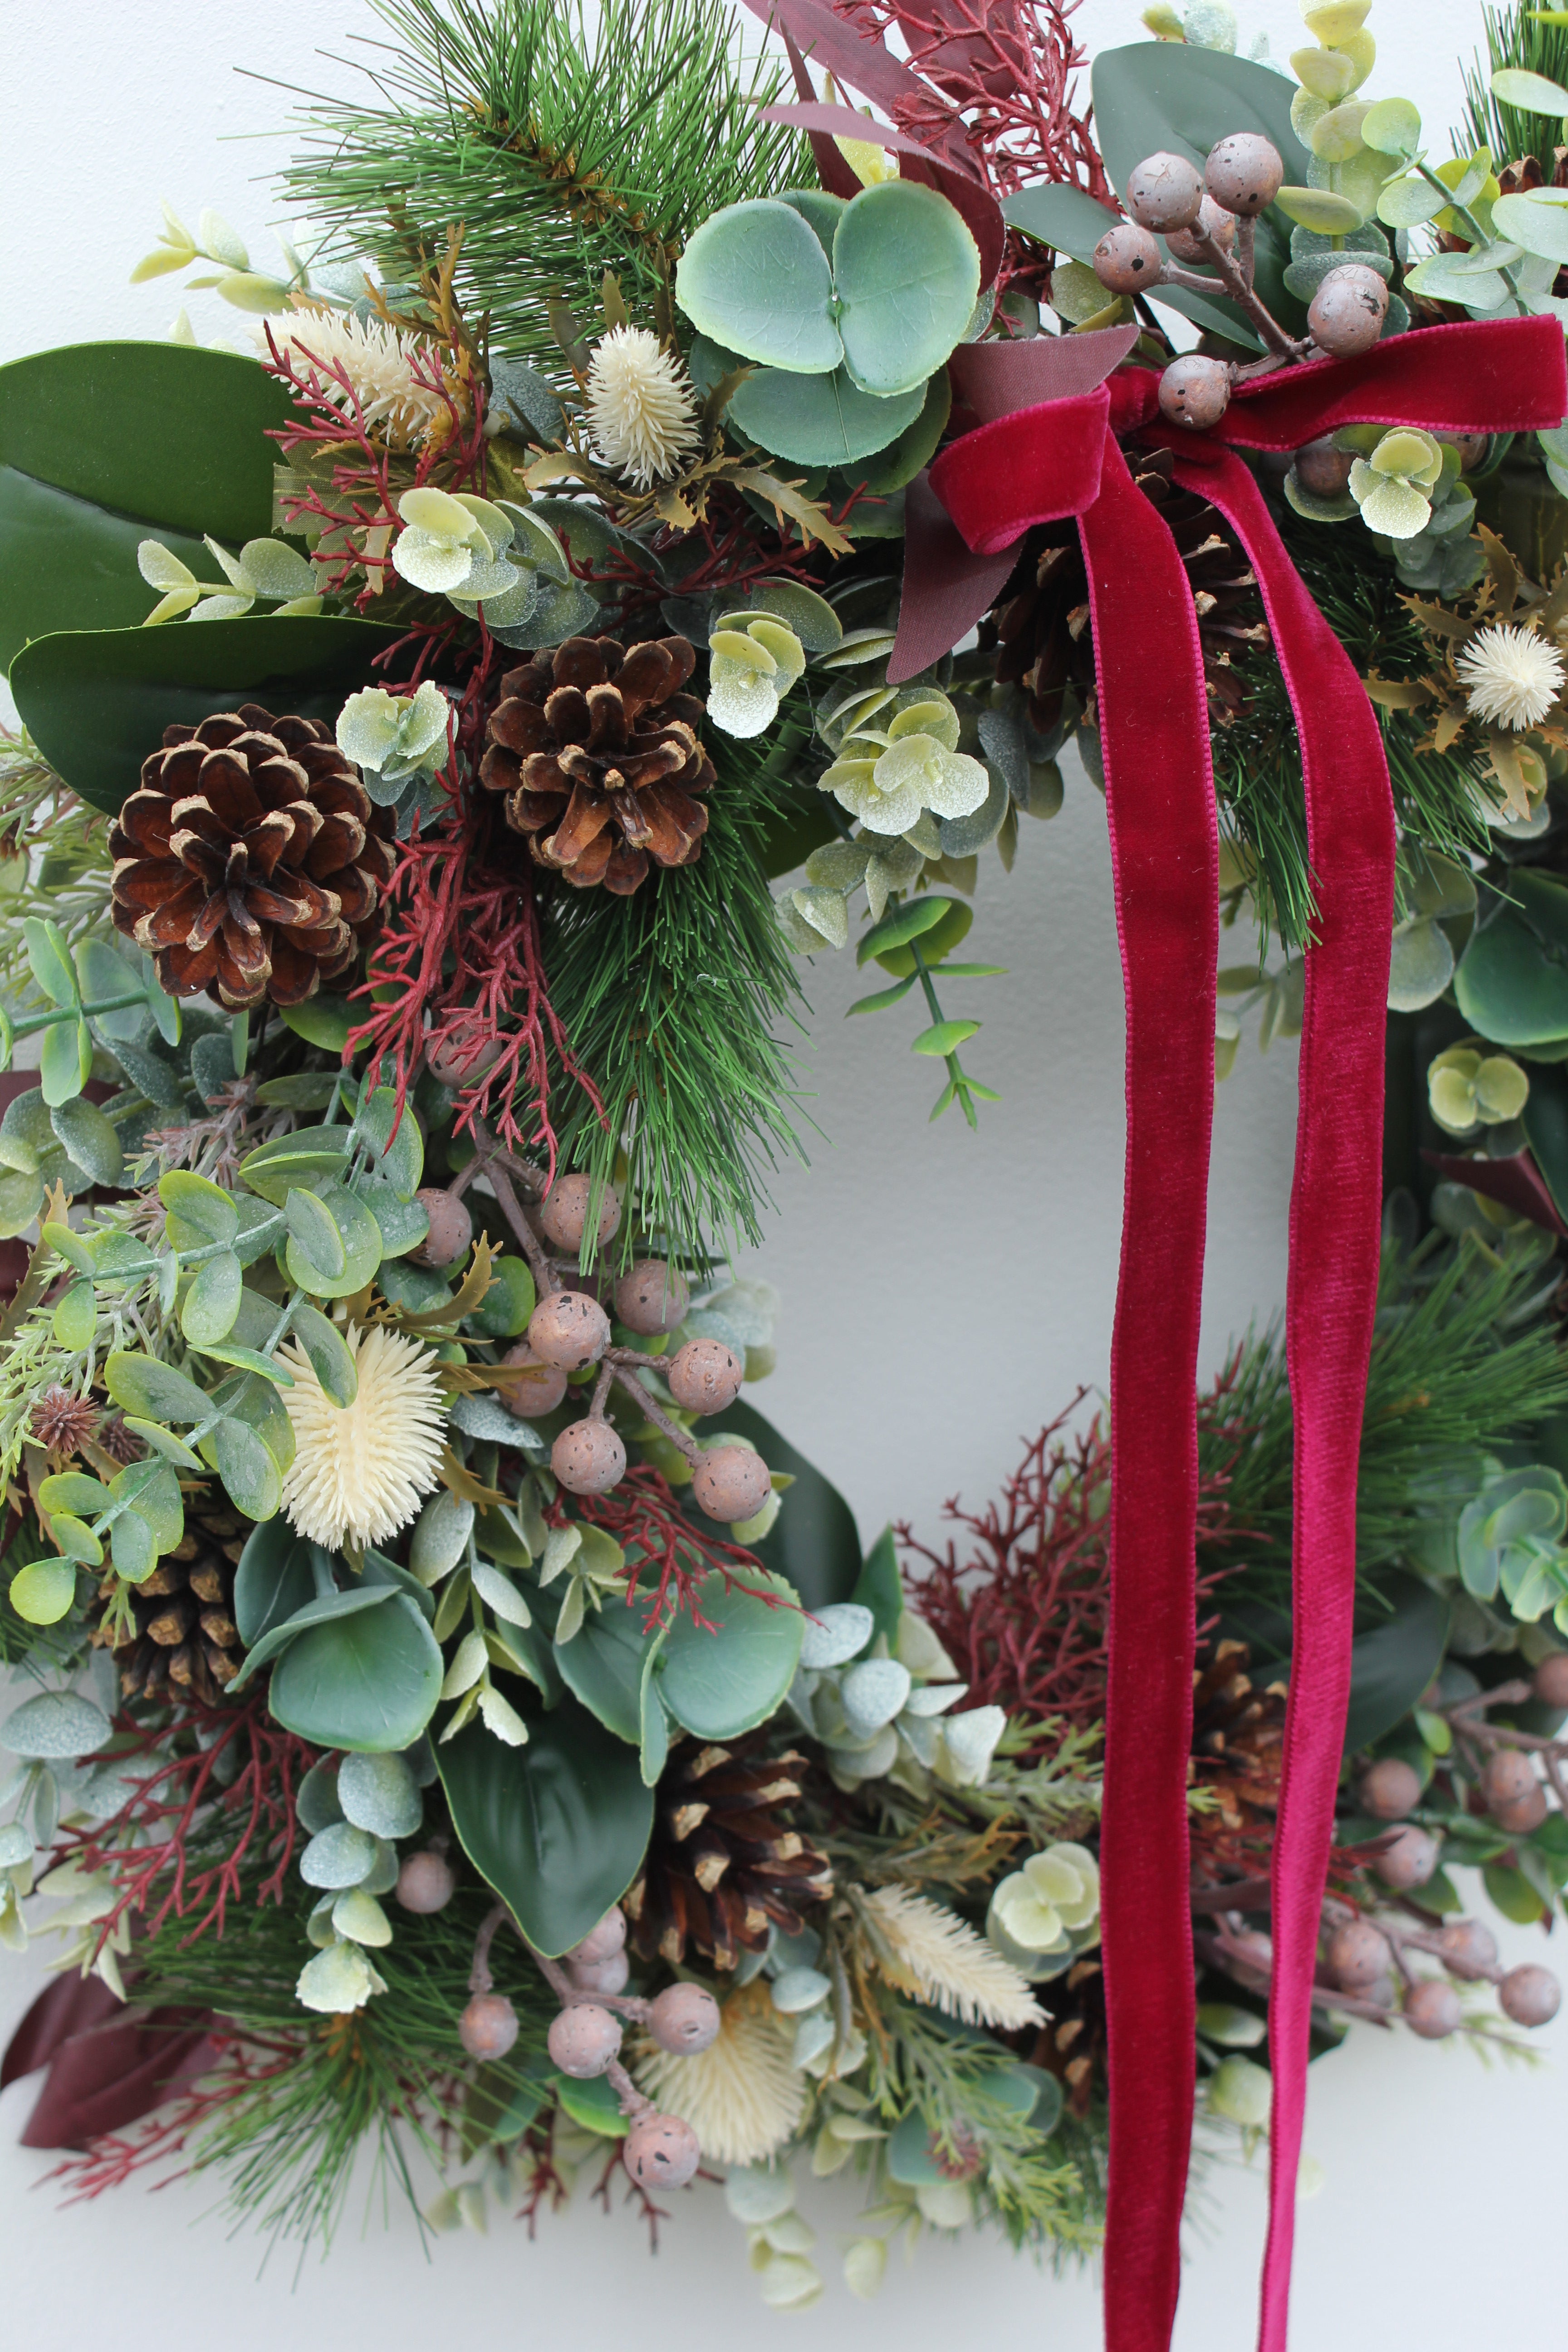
{"x": 1512, "y": 981}
{"x": 1393, "y": 1660}
{"x": 558, "y": 1828}
{"x": 325, "y": 1020}
{"x": 1065, "y": 218}
{"x": 73, "y": 1490}
{"x": 102, "y": 444}
{"x": 256, "y": 1404}
{"x": 820, "y": 420}
{"x": 312, "y": 1232}
{"x": 272, "y": 1581}
{"x": 96, "y": 702}
{"x": 943, "y": 1037}
{"x": 164, "y": 1441}
{"x": 154, "y": 1490}
{"x": 652, "y": 1720}
{"x": 43, "y": 1591}
{"x": 64, "y": 1062}
{"x": 721, "y": 1684}
{"x": 879, "y": 1587}
{"x": 602, "y": 1662}
{"x": 143, "y": 1385}
{"x": 76, "y": 1317}
{"x": 276, "y": 1632}
{"x": 311, "y": 1156}
{"x": 199, "y": 1210}
{"x": 329, "y": 1358}
{"x": 906, "y": 271}
{"x": 754, "y": 277}
{"x": 505, "y": 1310}
{"x": 362, "y": 1247}
{"x": 395, "y": 1146}
{"x": 246, "y": 1467}
{"x": 367, "y": 1681}
{"x": 76, "y": 1540}
{"x": 400, "y": 1224}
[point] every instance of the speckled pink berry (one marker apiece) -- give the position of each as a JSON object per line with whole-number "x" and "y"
{"x": 1390, "y": 1790}
{"x": 1530, "y": 1995}
{"x": 452, "y": 1230}
{"x": 1194, "y": 392}
{"x": 1322, "y": 469}
{"x": 651, "y": 1297}
{"x": 705, "y": 1376}
{"x": 1127, "y": 259}
{"x": 425, "y": 1882}
{"x": 588, "y": 1457}
{"x": 1244, "y": 173}
{"x": 1214, "y": 223}
{"x": 607, "y": 1975}
{"x": 1507, "y": 1776}
{"x": 662, "y": 2152}
{"x": 563, "y": 1211}
{"x": 1165, "y": 191}
{"x": 468, "y": 1053}
{"x": 1347, "y": 312}
{"x": 1468, "y": 1949}
{"x": 1357, "y": 1954}
{"x": 488, "y": 2027}
{"x": 1524, "y": 1815}
{"x": 569, "y": 1329}
{"x": 1432, "y": 2009}
{"x": 603, "y": 1942}
{"x": 684, "y": 2020}
{"x": 538, "y": 1388}
{"x": 730, "y": 1483}
{"x": 1552, "y": 1680}
{"x": 1409, "y": 1860}
{"x": 584, "y": 2039}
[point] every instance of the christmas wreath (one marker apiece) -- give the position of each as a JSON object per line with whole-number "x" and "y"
{"x": 675, "y": 514}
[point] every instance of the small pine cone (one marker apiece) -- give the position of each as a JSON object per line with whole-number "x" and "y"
{"x": 596, "y": 751}
{"x": 1238, "y": 1735}
{"x": 184, "y": 1642}
{"x": 725, "y": 1860}
{"x": 250, "y": 861}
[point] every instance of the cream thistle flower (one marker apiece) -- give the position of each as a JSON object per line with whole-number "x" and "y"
{"x": 1512, "y": 675}
{"x": 379, "y": 363}
{"x": 742, "y": 2096}
{"x": 934, "y": 1956}
{"x": 359, "y": 1470}
{"x": 641, "y": 406}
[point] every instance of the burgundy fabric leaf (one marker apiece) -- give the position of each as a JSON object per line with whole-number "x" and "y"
{"x": 1515, "y": 1182}
{"x": 978, "y": 208}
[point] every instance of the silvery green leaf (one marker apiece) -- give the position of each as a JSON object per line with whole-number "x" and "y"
{"x": 873, "y": 1694}
{"x": 758, "y": 2193}
{"x": 962, "y": 837}
{"x": 491, "y": 578}
{"x": 274, "y": 570}
{"x": 922, "y": 1735}
{"x": 813, "y": 2035}
{"x": 867, "y": 1762}
{"x": 468, "y": 1664}
{"x": 55, "y": 1724}
{"x": 713, "y": 1323}
{"x": 500, "y": 1718}
{"x": 317, "y": 1799}
{"x": 934, "y": 1698}
{"x": 218, "y": 241}
{"x": 970, "y": 1740}
{"x": 561, "y": 1546}
{"x": 360, "y": 1918}
{"x": 319, "y": 1925}
{"x": 838, "y": 865}
{"x": 433, "y": 564}
{"x": 382, "y": 1875}
{"x": 162, "y": 567}
{"x": 499, "y": 1593}
{"x": 338, "y": 1857}
{"x": 798, "y": 1989}
{"x": 16, "y": 1846}
{"x": 520, "y": 395}
{"x": 46, "y": 1807}
{"x": 826, "y": 911}
{"x": 483, "y": 1418}
{"x": 222, "y": 608}
{"x": 338, "y": 1980}
{"x": 573, "y": 1610}
{"x": 379, "y": 1793}
{"x": 440, "y": 1537}
{"x": 804, "y": 937}
{"x": 836, "y": 1633}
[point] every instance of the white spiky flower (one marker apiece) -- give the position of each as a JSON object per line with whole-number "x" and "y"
{"x": 741, "y": 2096}
{"x": 379, "y": 362}
{"x": 1513, "y": 676}
{"x": 936, "y": 1956}
{"x": 641, "y": 406}
{"x": 359, "y": 1471}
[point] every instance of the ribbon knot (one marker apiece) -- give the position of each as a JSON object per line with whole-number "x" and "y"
{"x": 1046, "y": 448}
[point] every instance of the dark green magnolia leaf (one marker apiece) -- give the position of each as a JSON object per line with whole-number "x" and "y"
{"x": 276, "y": 1635}
{"x": 558, "y": 1828}
{"x": 104, "y": 445}
{"x": 97, "y": 702}
{"x": 880, "y": 1588}
{"x": 325, "y": 1020}
{"x": 720, "y": 1683}
{"x": 367, "y": 1682}
{"x": 602, "y": 1662}
{"x": 141, "y": 1384}
{"x": 591, "y": 2100}
{"x": 814, "y": 1543}
{"x": 1066, "y": 219}
{"x": 1392, "y": 1661}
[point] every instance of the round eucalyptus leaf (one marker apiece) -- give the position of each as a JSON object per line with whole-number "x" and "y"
{"x": 907, "y": 272}
{"x": 367, "y": 1682}
{"x": 339, "y": 1855}
{"x": 754, "y": 277}
{"x": 729, "y": 1680}
{"x": 56, "y": 1723}
{"x": 380, "y": 1793}
{"x": 820, "y": 420}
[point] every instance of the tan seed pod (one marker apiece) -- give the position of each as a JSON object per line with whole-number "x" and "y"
{"x": 488, "y": 2027}
{"x": 651, "y": 1297}
{"x": 1358, "y": 1955}
{"x": 451, "y": 1232}
{"x": 425, "y": 1882}
{"x": 1432, "y": 2009}
{"x": 538, "y": 1388}
{"x": 1347, "y": 312}
{"x": 1214, "y": 223}
{"x": 584, "y": 2039}
{"x": 684, "y": 2020}
{"x": 1391, "y": 1788}
{"x": 1245, "y": 173}
{"x": 1195, "y": 391}
{"x": 1530, "y": 1995}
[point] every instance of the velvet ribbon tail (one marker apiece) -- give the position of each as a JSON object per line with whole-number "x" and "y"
{"x": 1335, "y": 1210}
{"x": 1164, "y": 857}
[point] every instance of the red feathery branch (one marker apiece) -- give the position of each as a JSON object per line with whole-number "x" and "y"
{"x": 655, "y": 1533}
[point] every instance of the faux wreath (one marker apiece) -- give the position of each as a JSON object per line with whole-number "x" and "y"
{"x": 452, "y": 1712}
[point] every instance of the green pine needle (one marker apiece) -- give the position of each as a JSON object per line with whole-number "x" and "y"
{"x": 1514, "y": 36}
{"x": 563, "y": 147}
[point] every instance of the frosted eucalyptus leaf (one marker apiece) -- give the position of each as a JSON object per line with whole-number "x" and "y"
{"x": 873, "y": 1694}
{"x": 826, "y": 912}
{"x": 338, "y": 1980}
{"x": 379, "y": 1794}
{"x": 338, "y": 1857}
{"x": 360, "y": 1918}
{"x": 907, "y": 274}
{"x": 798, "y": 1989}
{"x": 1538, "y": 221}
{"x": 275, "y": 570}
{"x": 55, "y": 1724}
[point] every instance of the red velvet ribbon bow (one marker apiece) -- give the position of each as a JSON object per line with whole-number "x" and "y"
{"x": 1049, "y": 449}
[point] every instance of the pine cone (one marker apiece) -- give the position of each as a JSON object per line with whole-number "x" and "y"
{"x": 1238, "y": 1734}
{"x": 250, "y": 860}
{"x": 596, "y": 751}
{"x": 1044, "y": 627}
{"x": 183, "y": 1643}
{"x": 724, "y": 1863}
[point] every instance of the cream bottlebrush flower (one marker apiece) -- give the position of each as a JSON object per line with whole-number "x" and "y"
{"x": 742, "y": 2096}
{"x": 641, "y": 411}
{"x": 1513, "y": 676}
{"x": 934, "y": 1956}
{"x": 379, "y": 363}
{"x": 359, "y": 1471}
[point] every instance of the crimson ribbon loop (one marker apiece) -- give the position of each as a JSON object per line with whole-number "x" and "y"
{"x": 1036, "y": 458}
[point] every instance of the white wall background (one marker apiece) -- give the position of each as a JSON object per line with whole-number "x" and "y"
{"x": 944, "y": 1294}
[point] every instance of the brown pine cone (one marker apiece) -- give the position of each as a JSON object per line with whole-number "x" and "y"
{"x": 1238, "y": 1733}
{"x": 724, "y": 1862}
{"x": 183, "y": 1641}
{"x": 596, "y": 751}
{"x": 251, "y": 860}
